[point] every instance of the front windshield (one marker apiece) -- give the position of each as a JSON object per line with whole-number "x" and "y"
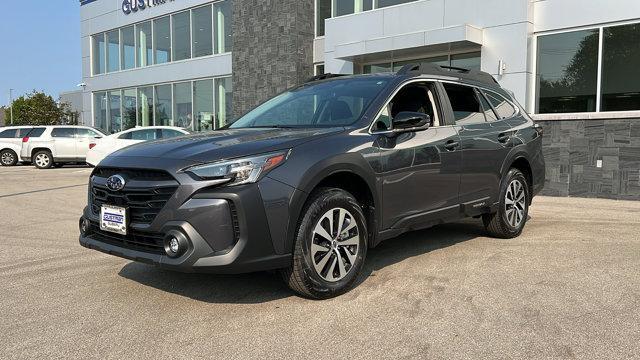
{"x": 331, "y": 103}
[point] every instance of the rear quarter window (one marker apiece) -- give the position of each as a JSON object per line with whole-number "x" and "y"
{"x": 503, "y": 107}
{"x": 36, "y": 132}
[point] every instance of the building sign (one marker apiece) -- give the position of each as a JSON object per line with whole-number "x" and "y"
{"x": 129, "y": 6}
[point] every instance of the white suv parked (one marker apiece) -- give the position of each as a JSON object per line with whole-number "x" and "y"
{"x": 11, "y": 143}
{"x": 59, "y": 144}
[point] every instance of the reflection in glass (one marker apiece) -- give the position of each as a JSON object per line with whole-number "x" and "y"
{"x": 98, "y": 55}
{"x": 567, "y": 72}
{"x": 129, "y": 109}
{"x": 385, "y": 3}
{"x": 182, "y": 105}
{"x": 323, "y": 12}
{"x": 224, "y": 110}
{"x": 469, "y": 61}
{"x": 113, "y": 51}
{"x": 345, "y": 7}
{"x": 162, "y": 40}
{"x": 163, "y": 106}
{"x": 128, "y": 47}
{"x": 181, "y": 35}
{"x": 438, "y": 60}
{"x": 203, "y": 105}
{"x": 115, "y": 120}
{"x": 201, "y": 31}
{"x": 620, "y": 73}
{"x": 145, "y": 106}
{"x": 222, "y": 20}
{"x": 100, "y": 110}
{"x": 376, "y": 68}
{"x": 145, "y": 44}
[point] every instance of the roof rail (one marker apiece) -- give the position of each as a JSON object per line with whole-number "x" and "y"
{"x": 434, "y": 69}
{"x": 323, "y": 76}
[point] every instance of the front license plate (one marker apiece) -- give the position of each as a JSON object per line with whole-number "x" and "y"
{"x": 113, "y": 219}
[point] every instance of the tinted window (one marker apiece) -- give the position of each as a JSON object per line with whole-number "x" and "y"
{"x": 488, "y": 111}
{"x": 36, "y": 132}
{"x": 465, "y": 104}
{"x": 10, "y": 133}
{"x": 146, "y": 134}
{"x": 504, "y": 108}
{"x": 63, "y": 132}
{"x": 23, "y": 132}
{"x": 620, "y": 75}
{"x": 169, "y": 133}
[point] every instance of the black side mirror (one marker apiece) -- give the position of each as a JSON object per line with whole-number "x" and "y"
{"x": 406, "y": 121}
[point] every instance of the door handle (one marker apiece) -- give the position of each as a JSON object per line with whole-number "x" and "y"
{"x": 451, "y": 145}
{"x": 503, "y": 138}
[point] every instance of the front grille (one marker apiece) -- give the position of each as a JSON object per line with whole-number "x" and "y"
{"x": 135, "y": 240}
{"x": 144, "y": 198}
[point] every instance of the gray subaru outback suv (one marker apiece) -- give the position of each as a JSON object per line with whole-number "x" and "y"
{"x": 308, "y": 181}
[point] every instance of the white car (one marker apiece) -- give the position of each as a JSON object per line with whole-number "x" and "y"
{"x": 56, "y": 145}
{"x": 105, "y": 146}
{"x": 11, "y": 143}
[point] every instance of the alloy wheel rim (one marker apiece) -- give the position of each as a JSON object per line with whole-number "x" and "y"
{"x": 7, "y": 158}
{"x": 335, "y": 244}
{"x": 42, "y": 160}
{"x": 515, "y": 203}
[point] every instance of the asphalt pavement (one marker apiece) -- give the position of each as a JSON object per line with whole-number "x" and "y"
{"x": 568, "y": 287}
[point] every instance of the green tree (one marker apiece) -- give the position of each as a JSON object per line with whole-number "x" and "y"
{"x": 38, "y": 108}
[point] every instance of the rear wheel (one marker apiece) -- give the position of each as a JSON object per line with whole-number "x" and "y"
{"x": 8, "y": 157}
{"x": 43, "y": 159}
{"x": 330, "y": 246}
{"x": 513, "y": 210}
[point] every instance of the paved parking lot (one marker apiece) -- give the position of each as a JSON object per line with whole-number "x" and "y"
{"x": 568, "y": 287}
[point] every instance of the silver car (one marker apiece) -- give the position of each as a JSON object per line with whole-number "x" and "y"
{"x": 58, "y": 145}
{"x": 11, "y": 138}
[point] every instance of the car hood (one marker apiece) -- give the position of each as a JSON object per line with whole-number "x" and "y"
{"x": 223, "y": 144}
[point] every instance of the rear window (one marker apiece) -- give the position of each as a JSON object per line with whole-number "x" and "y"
{"x": 145, "y": 134}
{"x": 169, "y": 133}
{"x": 63, "y": 132}
{"x": 503, "y": 107}
{"x": 36, "y": 132}
{"x": 9, "y": 134}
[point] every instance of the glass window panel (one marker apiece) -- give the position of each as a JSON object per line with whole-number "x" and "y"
{"x": 465, "y": 104}
{"x": 345, "y": 7}
{"x": 100, "y": 111}
{"x": 438, "y": 60}
{"x": 115, "y": 118}
{"x": 567, "y": 72}
{"x": 145, "y": 106}
{"x": 467, "y": 61}
{"x": 128, "y": 109}
{"x": 113, "y": 50}
{"x": 323, "y": 12}
{"x": 9, "y": 134}
{"x": 145, "y": 44}
{"x": 620, "y": 74}
{"x": 385, "y": 3}
{"x": 203, "y": 105}
{"x": 128, "y": 49}
{"x": 222, "y": 26}
{"x": 98, "y": 55}
{"x": 182, "y": 105}
{"x": 376, "y": 68}
{"x": 63, "y": 132}
{"x": 181, "y": 36}
{"x": 488, "y": 111}
{"x": 162, "y": 40}
{"x": 87, "y": 134}
{"x": 319, "y": 69}
{"x": 144, "y": 134}
{"x": 163, "y": 116}
{"x": 201, "y": 31}
{"x": 503, "y": 107}
{"x": 224, "y": 110}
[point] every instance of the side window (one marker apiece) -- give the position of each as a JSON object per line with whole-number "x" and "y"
{"x": 488, "y": 111}
{"x": 36, "y": 132}
{"x": 8, "y": 134}
{"x": 503, "y": 107}
{"x": 144, "y": 135}
{"x": 63, "y": 132}
{"x": 87, "y": 133}
{"x": 169, "y": 133}
{"x": 126, "y": 136}
{"x": 414, "y": 97}
{"x": 23, "y": 132}
{"x": 465, "y": 104}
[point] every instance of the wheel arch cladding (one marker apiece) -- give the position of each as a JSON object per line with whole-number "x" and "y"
{"x": 521, "y": 163}
{"x": 38, "y": 149}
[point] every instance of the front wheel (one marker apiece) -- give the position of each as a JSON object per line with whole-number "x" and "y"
{"x": 330, "y": 245}
{"x": 513, "y": 210}
{"x": 8, "y": 157}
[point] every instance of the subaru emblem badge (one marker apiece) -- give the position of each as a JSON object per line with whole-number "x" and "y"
{"x": 115, "y": 183}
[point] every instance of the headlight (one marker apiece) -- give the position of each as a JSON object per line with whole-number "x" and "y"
{"x": 239, "y": 171}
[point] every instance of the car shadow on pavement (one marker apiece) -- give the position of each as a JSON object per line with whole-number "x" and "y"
{"x": 266, "y": 286}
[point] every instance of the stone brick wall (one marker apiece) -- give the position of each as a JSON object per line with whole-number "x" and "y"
{"x": 573, "y": 148}
{"x": 272, "y": 48}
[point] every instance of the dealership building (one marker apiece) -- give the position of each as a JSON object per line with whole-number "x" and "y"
{"x": 573, "y": 64}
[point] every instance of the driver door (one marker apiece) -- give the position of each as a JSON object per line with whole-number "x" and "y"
{"x": 421, "y": 170}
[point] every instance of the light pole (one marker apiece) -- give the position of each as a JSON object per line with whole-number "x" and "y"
{"x": 11, "y": 104}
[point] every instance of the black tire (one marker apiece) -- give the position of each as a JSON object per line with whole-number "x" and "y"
{"x": 302, "y": 277}
{"x": 39, "y": 159}
{"x": 58, "y": 165}
{"x": 503, "y": 224}
{"x": 8, "y": 157}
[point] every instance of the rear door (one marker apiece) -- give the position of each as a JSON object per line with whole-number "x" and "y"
{"x": 32, "y": 136}
{"x": 64, "y": 142}
{"x": 485, "y": 142}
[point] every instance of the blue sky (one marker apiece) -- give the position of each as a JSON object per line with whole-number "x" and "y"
{"x": 40, "y": 47}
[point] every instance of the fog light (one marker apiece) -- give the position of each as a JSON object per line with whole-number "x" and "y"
{"x": 174, "y": 245}
{"x": 85, "y": 226}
